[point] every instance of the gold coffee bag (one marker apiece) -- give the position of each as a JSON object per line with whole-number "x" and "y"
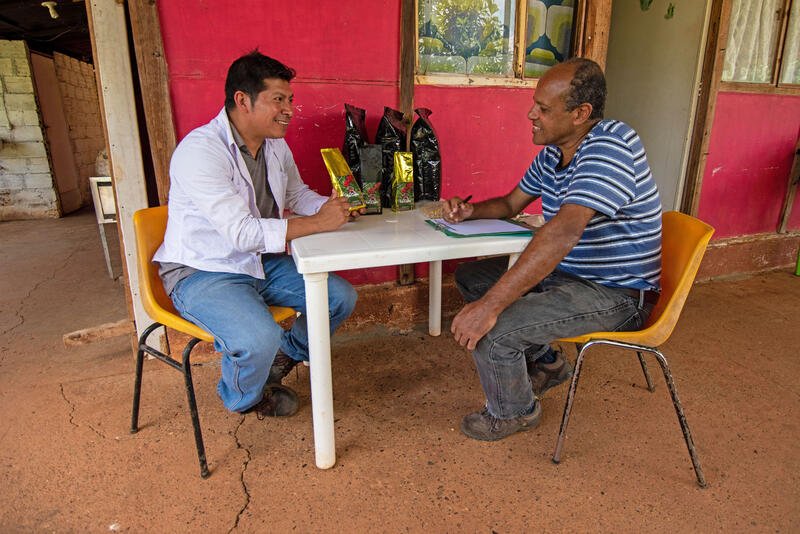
{"x": 403, "y": 182}
{"x": 342, "y": 178}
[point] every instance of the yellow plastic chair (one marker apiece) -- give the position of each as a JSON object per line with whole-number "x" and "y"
{"x": 149, "y": 225}
{"x": 684, "y": 241}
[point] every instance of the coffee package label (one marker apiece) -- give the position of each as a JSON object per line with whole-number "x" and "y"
{"x": 372, "y": 197}
{"x": 403, "y": 182}
{"x": 342, "y": 178}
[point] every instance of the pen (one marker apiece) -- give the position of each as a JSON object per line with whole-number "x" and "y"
{"x": 465, "y": 200}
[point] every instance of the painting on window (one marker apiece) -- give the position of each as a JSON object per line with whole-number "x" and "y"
{"x": 549, "y": 34}
{"x": 466, "y": 36}
{"x": 478, "y": 37}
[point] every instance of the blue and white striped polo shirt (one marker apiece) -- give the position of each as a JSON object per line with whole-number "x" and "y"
{"x": 621, "y": 245}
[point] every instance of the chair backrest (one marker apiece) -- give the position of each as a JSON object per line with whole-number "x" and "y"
{"x": 150, "y": 225}
{"x": 683, "y": 242}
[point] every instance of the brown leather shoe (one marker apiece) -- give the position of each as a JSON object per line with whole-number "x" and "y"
{"x": 484, "y": 426}
{"x": 278, "y": 401}
{"x": 547, "y": 375}
{"x": 281, "y": 367}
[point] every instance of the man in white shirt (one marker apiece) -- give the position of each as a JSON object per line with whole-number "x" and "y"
{"x": 223, "y": 260}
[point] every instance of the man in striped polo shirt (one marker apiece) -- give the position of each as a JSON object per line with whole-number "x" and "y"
{"x": 594, "y": 265}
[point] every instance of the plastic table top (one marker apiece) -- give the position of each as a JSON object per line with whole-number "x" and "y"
{"x": 392, "y": 238}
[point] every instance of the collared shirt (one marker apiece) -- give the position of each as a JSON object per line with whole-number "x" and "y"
{"x": 258, "y": 175}
{"x": 621, "y": 245}
{"x": 172, "y": 273}
{"x": 214, "y": 223}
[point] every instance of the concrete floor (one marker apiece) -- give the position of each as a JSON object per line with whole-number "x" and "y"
{"x": 68, "y": 463}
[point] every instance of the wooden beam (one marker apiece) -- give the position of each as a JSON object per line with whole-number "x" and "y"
{"x": 408, "y": 53}
{"x": 521, "y": 28}
{"x": 98, "y": 333}
{"x": 154, "y": 81}
{"x": 579, "y": 26}
{"x": 597, "y": 26}
{"x": 125, "y": 280}
{"x": 713, "y": 62}
{"x": 791, "y": 191}
{"x": 115, "y": 87}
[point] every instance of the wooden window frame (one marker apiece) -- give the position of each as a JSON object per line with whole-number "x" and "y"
{"x": 774, "y": 86}
{"x": 591, "y": 23}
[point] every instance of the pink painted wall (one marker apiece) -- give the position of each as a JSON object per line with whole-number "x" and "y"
{"x": 343, "y": 52}
{"x": 750, "y": 154}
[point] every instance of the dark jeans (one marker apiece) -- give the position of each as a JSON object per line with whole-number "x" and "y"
{"x": 561, "y": 305}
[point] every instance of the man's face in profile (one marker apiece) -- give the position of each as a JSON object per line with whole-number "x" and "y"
{"x": 552, "y": 123}
{"x": 270, "y": 113}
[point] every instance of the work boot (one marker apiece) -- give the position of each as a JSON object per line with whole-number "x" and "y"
{"x": 484, "y": 426}
{"x": 278, "y": 401}
{"x": 281, "y": 367}
{"x": 546, "y": 375}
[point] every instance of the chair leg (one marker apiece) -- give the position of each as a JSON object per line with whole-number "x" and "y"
{"x": 573, "y": 386}
{"x": 137, "y": 385}
{"x": 198, "y": 434}
{"x": 687, "y": 435}
{"x": 650, "y": 385}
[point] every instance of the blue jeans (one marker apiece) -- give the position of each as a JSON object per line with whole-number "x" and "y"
{"x": 234, "y": 309}
{"x": 561, "y": 305}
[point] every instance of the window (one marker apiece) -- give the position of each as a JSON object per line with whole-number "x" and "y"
{"x": 483, "y": 42}
{"x": 763, "y": 45}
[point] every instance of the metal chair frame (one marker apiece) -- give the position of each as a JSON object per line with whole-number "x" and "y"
{"x": 684, "y": 241}
{"x": 673, "y": 391}
{"x": 149, "y": 225}
{"x": 185, "y": 368}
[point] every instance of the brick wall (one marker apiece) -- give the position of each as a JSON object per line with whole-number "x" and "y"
{"x": 82, "y": 111}
{"x": 26, "y": 185}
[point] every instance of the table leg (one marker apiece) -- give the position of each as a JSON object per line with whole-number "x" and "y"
{"x": 105, "y": 249}
{"x": 435, "y": 298}
{"x": 319, "y": 346}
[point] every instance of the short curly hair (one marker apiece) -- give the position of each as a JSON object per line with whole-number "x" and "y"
{"x": 588, "y": 85}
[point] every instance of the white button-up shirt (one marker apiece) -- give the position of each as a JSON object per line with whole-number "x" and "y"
{"x": 214, "y": 223}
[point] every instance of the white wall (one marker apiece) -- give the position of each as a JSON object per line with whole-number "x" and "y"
{"x": 26, "y": 184}
{"x": 652, "y": 71}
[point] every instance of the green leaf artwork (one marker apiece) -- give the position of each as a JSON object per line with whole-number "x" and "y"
{"x": 645, "y": 4}
{"x": 670, "y": 11}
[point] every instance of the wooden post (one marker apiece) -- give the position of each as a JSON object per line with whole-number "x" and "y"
{"x": 788, "y": 201}
{"x": 115, "y": 88}
{"x": 408, "y": 43}
{"x": 710, "y": 77}
{"x": 597, "y": 25}
{"x": 154, "y": 81}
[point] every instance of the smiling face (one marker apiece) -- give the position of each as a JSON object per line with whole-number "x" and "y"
{"x": 268, "y": 115}
{"x": 552, "y": 123}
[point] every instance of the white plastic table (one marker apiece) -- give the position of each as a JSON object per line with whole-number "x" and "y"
{"x": 373, "y": 241}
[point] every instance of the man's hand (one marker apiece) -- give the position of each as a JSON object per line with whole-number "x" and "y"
{"x": 456, "y": 210}
{"x": 355, "y": 214}
{"x": 333, "y": 213}
{"x": 472, "y": 323}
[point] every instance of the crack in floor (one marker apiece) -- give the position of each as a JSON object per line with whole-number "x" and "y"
{"x": 72, "y": 411}
{"x": 18, "y": 310}
{"x": 71, "y": 406}
{"x": 241, "y": 476}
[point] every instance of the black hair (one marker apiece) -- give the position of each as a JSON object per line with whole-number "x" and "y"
{"x": 588, "y": 85}
{"x": 247, "y": 74}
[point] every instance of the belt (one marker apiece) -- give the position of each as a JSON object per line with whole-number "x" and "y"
{"x": 644, "y": 296}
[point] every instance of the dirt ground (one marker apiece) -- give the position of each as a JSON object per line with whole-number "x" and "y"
{"x": 69, "y": 465}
